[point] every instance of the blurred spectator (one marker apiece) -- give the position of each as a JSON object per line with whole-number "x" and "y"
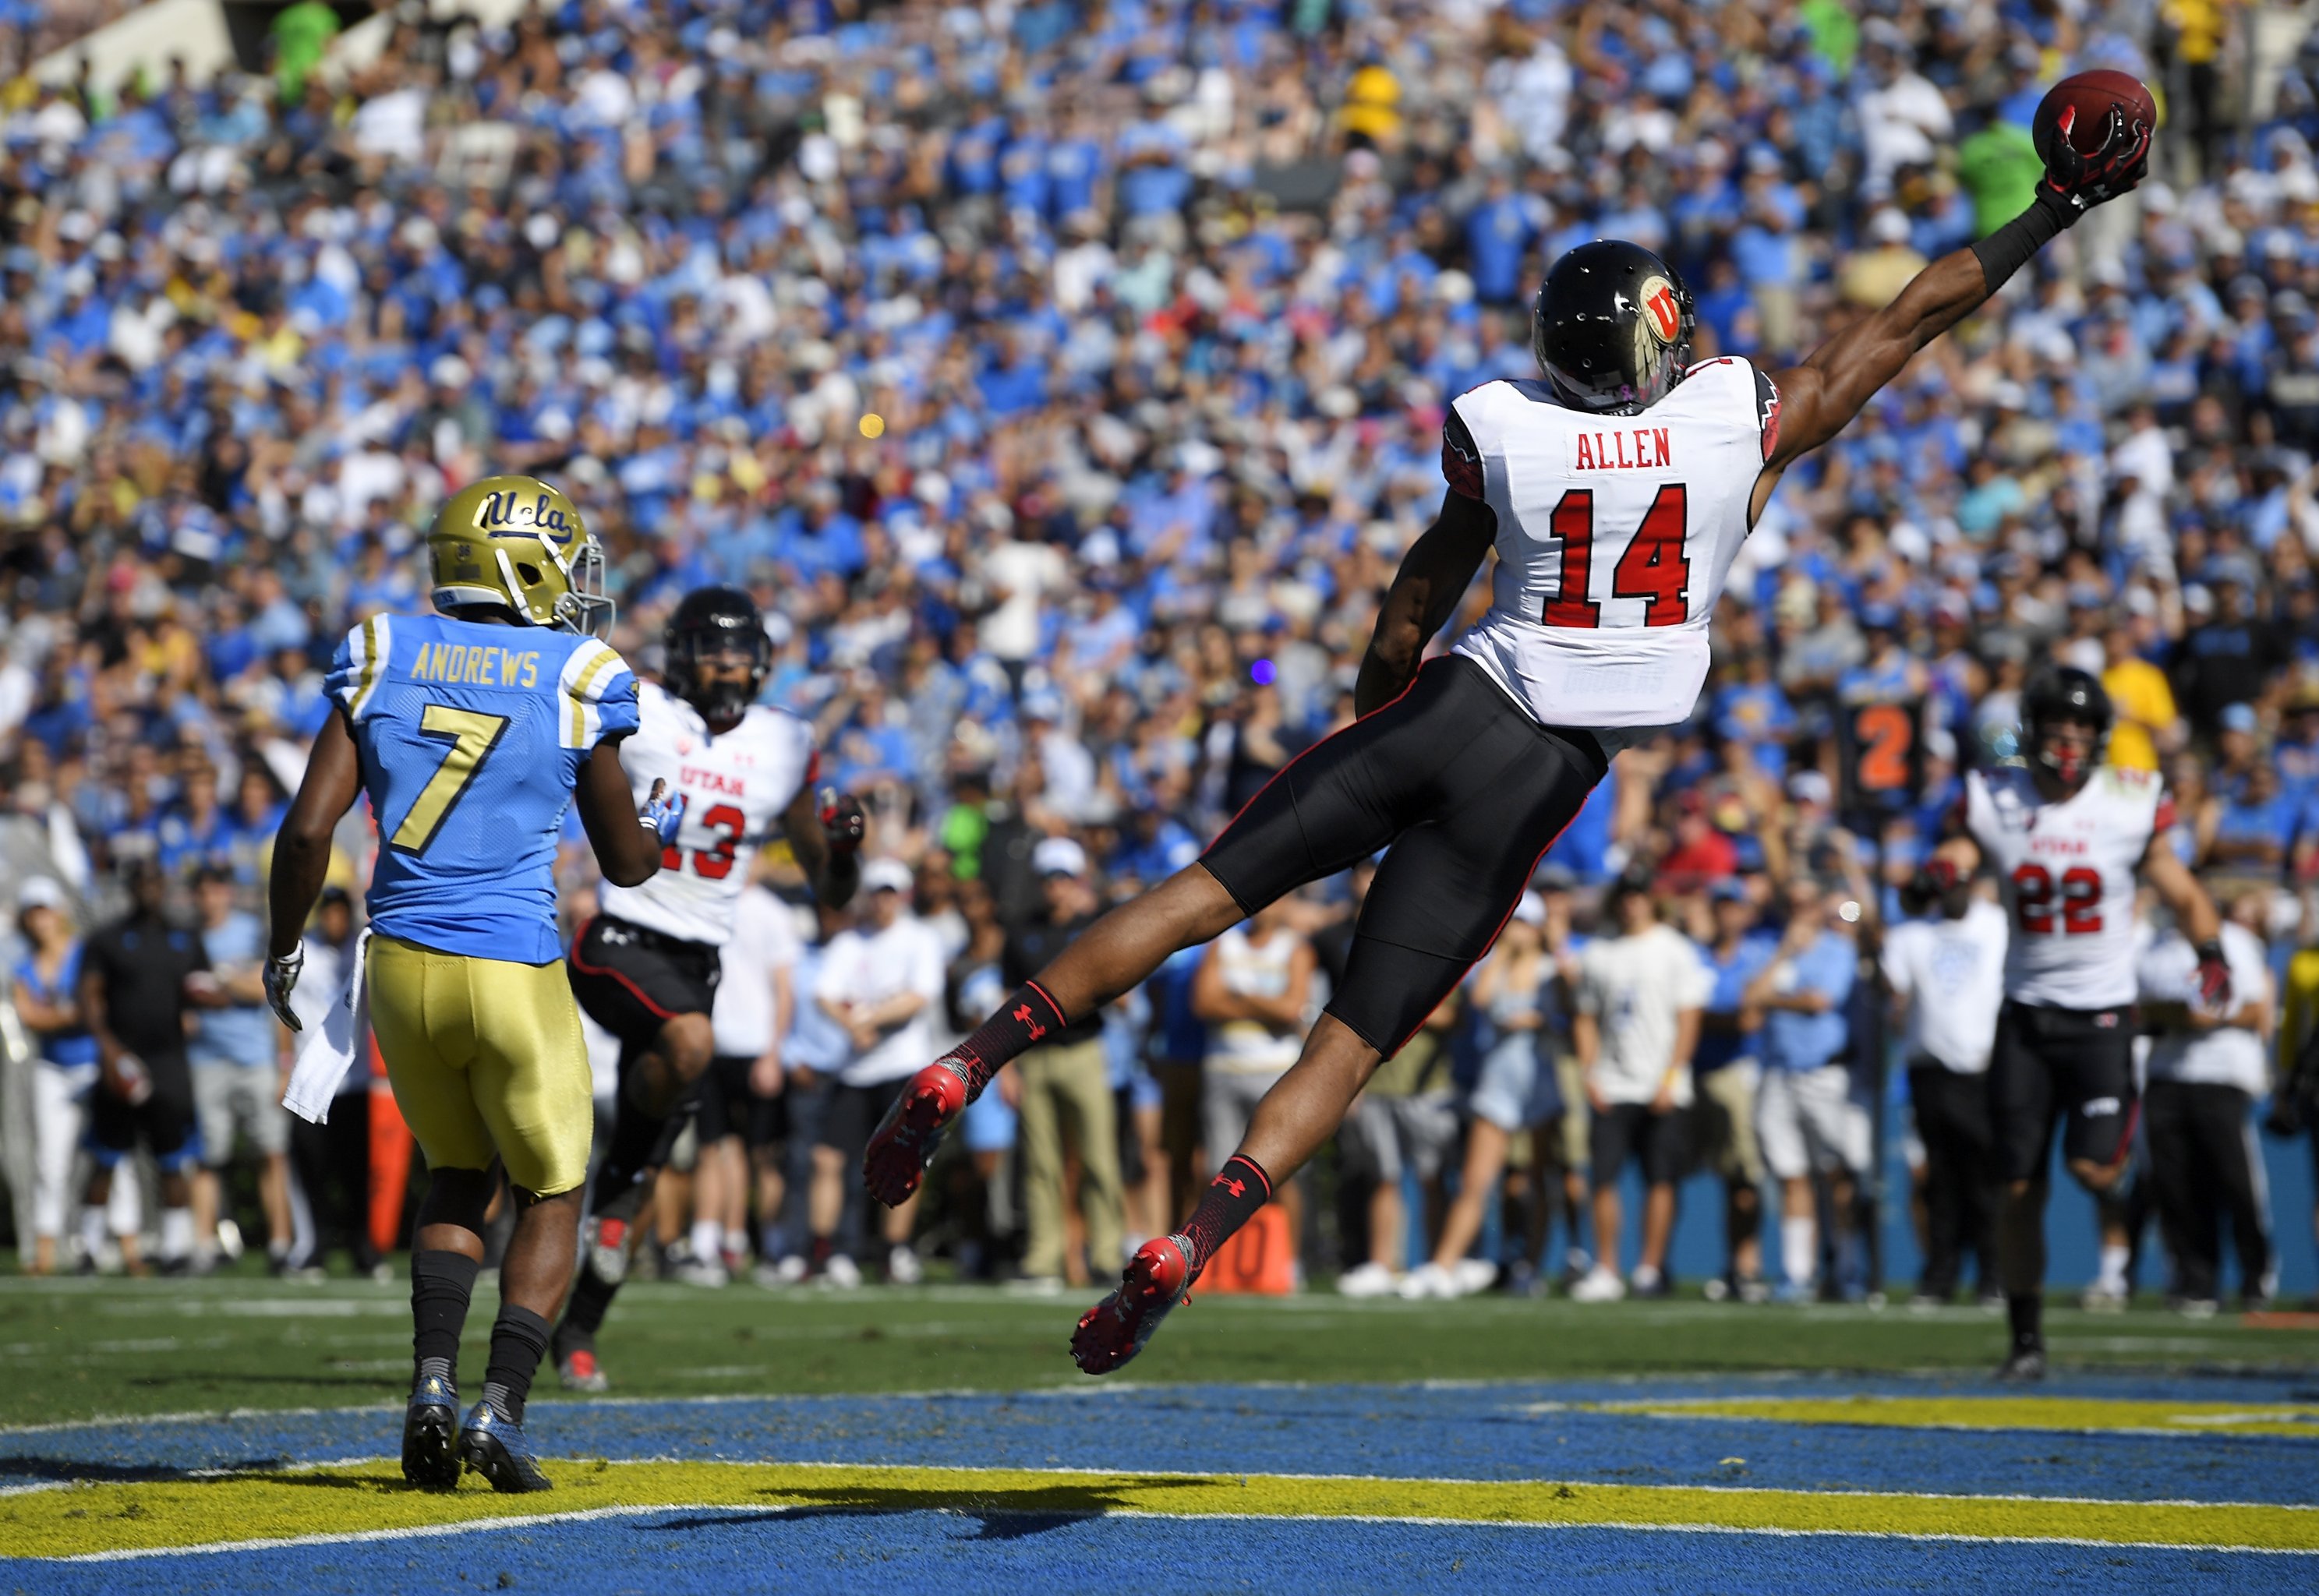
{"x": 238, "y": 1079}
{"x": 1729, "y": 1074}
{"x": 1641, "y": 990}
{"x": 1520, "y": 996}
{"x": 141, "y": 979}
{"x": 1254, "y": 990}
{"x": 47, "y": 982}
{"x": 742, "y": 1119}
{"x": 1804, "y": 1114}
{"x": 1946, "y": 973}
{"x": 878, "y": 980}
{"x": 1063, "y": 1091}
{"x": 1402, "y": 1126}
{"x": 2206, "y": 1070}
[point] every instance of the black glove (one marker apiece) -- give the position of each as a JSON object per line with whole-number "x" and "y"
{"x": 2077, "y": 182}
{"x": 841, "y": 820}
{"x": 2214, "y": 977}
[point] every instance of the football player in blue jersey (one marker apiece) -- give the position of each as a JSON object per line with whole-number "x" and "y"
{"x": 471, "y": 731}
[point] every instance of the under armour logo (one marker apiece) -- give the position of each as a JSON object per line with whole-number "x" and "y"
{"x": 617, "y": 938}
{"x": 1237, "y": 1188}
{"x": 1023, "y": 1018}
{"x": 2100, "y": 1107}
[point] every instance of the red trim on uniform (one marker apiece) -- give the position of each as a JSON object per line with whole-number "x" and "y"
{"x": 1060, "y": 1017}
{"x": 812, "y": 767}
{"x": 2125, "y": 1137}
{"x": 1254, "y": 1167}
{"x": 1323, "y": 742}
{"x": 584, "y": 967}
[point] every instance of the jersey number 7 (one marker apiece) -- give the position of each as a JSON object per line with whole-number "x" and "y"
{"x": 1653, "y": 565}
{"x": 472, "y": 735}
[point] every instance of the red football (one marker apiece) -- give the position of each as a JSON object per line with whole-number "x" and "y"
{"x": 2089, "y": 95}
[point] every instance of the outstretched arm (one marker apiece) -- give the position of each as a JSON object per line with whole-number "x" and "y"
{"x": 1818, "y": 399}
{"x": 1433, "y": 577}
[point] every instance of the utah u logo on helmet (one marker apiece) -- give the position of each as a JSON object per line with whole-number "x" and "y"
{"x": 517, "y": 543}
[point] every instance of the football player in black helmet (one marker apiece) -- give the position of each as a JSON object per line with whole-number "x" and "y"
{"x": 2065, "y": 721}
{"x": 717, "y": 653}
{"x": 1612, "y": 327}
{"x": 1611, "y": 333}
{"x": 645, "y": 967}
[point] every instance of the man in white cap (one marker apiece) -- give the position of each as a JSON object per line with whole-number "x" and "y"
{"x": 880, "y": 979}
{"x": 1063, "y": 1086}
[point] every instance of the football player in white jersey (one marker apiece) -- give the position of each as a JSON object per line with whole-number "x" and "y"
{"x": 645, "y": 967}
{"x": 1617, "y": 487}
{"x": 2067, "y": 834}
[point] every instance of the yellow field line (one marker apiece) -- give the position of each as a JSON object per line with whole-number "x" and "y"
{"x": 2299, "y": 1420}
{"x": 370, "y": 1497}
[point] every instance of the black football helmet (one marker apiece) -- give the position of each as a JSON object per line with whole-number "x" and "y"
{"x": 1612, "y": 327}
{"x": 710, "y": 623}
{"x": 2059, "y": 693}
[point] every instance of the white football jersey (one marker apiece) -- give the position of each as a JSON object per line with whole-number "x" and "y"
{"x": 735, "y": 787}
{"x": 2066, "y": 871}
{"x": 1615, "y": 535}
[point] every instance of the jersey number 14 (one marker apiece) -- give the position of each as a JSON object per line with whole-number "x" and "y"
{"x": 1654, "y": 566}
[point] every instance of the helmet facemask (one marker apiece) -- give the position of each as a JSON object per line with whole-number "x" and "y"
{"x": 2069, "y": 760}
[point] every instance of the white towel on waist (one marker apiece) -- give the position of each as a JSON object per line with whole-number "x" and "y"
{"x": 330, "y": 1051}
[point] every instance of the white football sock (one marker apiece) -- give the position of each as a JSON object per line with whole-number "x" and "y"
{"x": 1799, "y": 1249}
{"x": 2112, "y": 1278}
{"x": 708, "y": 1240}
{"x": 92, "y": 1230}
{"x": 176, "y": 1234}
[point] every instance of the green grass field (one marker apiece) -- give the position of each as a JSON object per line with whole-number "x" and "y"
{"x": 84, "y": 1348}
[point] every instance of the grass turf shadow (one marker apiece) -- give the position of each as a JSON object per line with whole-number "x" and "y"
{"x": 77, "y": 1471}
{"x": 1001, "y": 1514}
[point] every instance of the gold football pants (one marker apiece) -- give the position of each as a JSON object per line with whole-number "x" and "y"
{"x": 486, "y": 1058}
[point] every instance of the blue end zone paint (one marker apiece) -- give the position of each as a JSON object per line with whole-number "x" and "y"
{"x": 679, "y": 1553}
{"x": 1460, "y": 1432}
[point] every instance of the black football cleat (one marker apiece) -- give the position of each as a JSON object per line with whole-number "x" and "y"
{"x": 430, "y": 1424}
{"x": 495, "y": 1448}
{"x": 2024, "y": 1367}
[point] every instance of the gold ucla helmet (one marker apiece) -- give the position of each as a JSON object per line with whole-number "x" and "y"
{"x": 516, "y": 542}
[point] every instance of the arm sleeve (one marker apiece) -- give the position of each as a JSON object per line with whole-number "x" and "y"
{"x": 599, "y": 693}
{"x": 1461, "y": 457}
{"x": 358, "y": 665}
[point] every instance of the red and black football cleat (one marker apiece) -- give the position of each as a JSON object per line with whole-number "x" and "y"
{"x": 1157, "y": 1281}
{"x": 904, "y": 1141}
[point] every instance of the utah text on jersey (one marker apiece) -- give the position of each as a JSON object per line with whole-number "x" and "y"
{"x": 737, "y": 786}
{"x": 2067, "y": 872}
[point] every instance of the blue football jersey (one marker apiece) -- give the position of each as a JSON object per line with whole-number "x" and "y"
{"x": 471, "y": 737}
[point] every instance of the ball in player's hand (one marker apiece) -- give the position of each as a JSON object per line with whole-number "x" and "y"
{"x": 2083, "y": 103}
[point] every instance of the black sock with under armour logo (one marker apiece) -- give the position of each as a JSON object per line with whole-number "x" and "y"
{"x": 1024, "y": 1020}
{"x": 1240, "y": 1188}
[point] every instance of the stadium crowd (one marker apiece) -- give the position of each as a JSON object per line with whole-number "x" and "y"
{"x": 1064, "y": 381}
